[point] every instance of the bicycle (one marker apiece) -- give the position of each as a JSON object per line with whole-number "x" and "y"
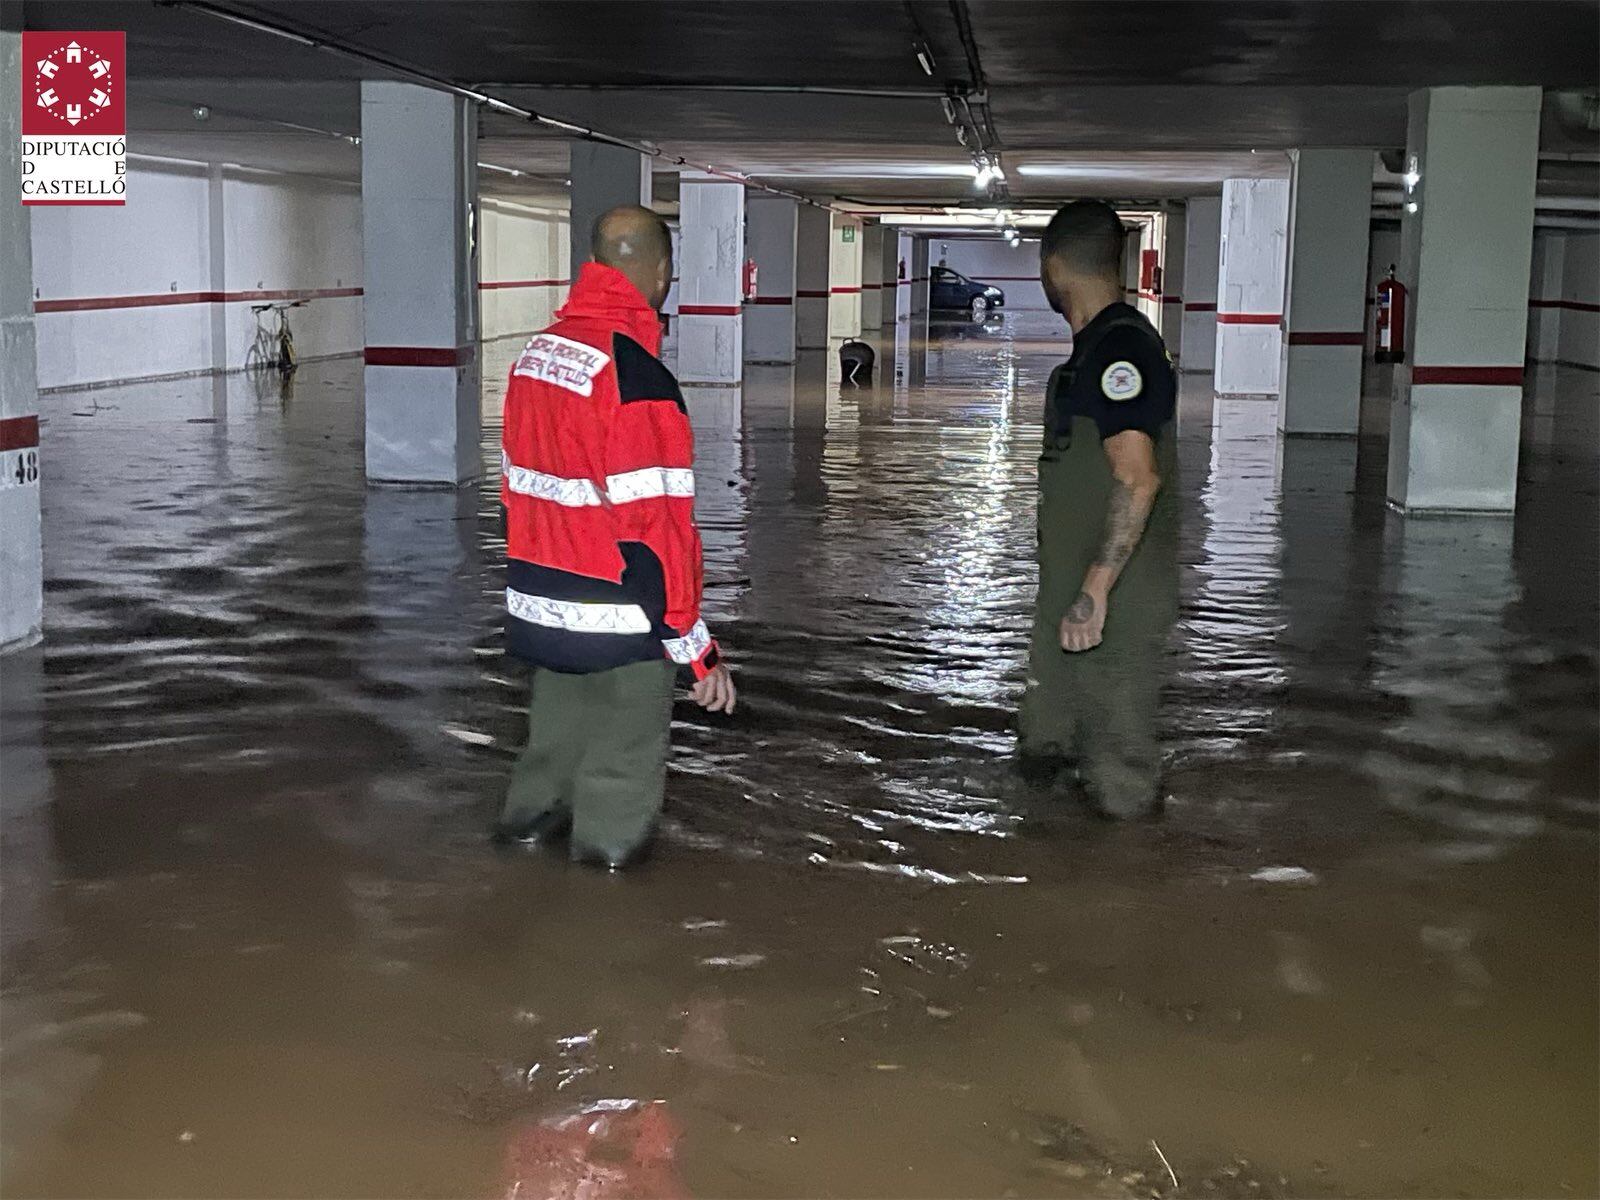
{"x": 272, "y": 347}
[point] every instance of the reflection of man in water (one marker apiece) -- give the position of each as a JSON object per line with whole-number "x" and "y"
{"x": 1107, "y": 527}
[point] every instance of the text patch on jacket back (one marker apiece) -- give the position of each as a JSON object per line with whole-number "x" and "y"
{"x": 562, "y": 362}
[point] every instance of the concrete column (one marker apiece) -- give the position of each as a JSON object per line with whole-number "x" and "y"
{"x": 1545, "y": 291}
{"x": 1465, "y": 254}
{"x": 603, "y": 176}
{"x": 1255, "y": 234}
{"x": 1172, "y": 282}
{"x": 811, "y": 266}
{"x": 1202, "y": 241}
{"x": 889, "y": 275}
{"x": 420, "y": 303}
{"x": 710, "y": 279}
{"x": 770, "y": 223}
{"x": 21, "y": 547}
{"x": 919, "y": 275}
{"x": 871, "y": 281}
{"x": 844, "y": 277}
{"x": 1325, "y": 285}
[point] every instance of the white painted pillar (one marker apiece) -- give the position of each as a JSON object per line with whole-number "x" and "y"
{"x": 1172, "y": 264}
{"x": 1255, "y": 234}
{"x": 420, "y": 286}
{"x": 21, "y": 546}
{"x": 603, "y": 176}
{"x": 1202, "y": 241}
{"x": 844, "y": 277}
{"x": 1545, "y": 291}
{"x": 710, "y": 279}
{"x": 889, "y": 277}
{"x": 1465, "y": 254}
{"x": 770, "y": 223}
{"x": 1325, "y": 285}
{"x": 811, "y": 266}
{"x": 871, "y": 283}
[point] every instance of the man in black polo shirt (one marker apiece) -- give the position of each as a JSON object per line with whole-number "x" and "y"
{"x": 1107, "y": 528}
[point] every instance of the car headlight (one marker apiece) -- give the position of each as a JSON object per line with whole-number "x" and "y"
{"x": 994, "y": 293}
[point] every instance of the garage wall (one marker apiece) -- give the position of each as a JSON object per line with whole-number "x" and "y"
{"x": 163, "y": 285}
{"x": 523, "y": 259}
{"x": 1015, "y": 271}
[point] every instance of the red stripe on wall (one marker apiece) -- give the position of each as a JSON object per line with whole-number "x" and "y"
{"x": 1249, "y": 318}
{"x": 19, "y": 433}
{"x": 417, "y": 356}
{"x": 1200, "y": 306}
{"x": 1172, "y": 299}
{"x": 807, "y": 295}
{"x": 1328, "y": 339}
{"x": 708, "y": 310}
{"x": 870, "y": 287}
{"x": 158, "y": 299}
{"x": 488, "y": 285}
{"x": 1472, "y": 376}
{"x": 1149, "y": 295}
{"x": 773, "y": 300}
{"x": 845, "y": 291}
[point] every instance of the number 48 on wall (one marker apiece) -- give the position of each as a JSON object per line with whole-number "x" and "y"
{"x": 21, "y": 468}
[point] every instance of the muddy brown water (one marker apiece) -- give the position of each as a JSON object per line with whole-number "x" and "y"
{"x": 254, "y": 944}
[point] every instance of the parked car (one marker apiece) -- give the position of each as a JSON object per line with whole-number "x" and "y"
{"x": 949, "y": 289}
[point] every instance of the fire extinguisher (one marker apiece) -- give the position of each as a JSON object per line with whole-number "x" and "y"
{"x": 750, "y": 279}
{"x": 1391, "y": 320}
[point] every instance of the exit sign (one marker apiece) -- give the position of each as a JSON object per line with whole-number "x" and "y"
{"x": 849, "y": 232}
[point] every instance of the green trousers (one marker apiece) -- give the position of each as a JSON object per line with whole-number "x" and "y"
{"x": 597, "y": 745}
{"x": 1096, "y": 708}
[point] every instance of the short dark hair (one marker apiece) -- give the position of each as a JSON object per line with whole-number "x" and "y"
{"x": 1086, "y": 236}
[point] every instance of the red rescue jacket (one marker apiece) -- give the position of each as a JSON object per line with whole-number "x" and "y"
{"x": 603, "y": 556}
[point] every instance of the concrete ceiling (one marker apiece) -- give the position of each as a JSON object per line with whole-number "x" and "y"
{"x": 1138, "y": 100}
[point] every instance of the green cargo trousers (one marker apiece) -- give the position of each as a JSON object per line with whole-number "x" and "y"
{"x": 1096, "y": 709}
{"x": 597, "y": 745}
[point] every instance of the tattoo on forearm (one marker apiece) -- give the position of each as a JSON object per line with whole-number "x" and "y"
{"x": 1082, "y": 609}
{"x": 1126, "y": 513}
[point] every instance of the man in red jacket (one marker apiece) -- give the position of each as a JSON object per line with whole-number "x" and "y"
{"x": 603, "y": 567}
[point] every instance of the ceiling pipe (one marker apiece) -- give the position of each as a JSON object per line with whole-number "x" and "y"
{"x": 571, "y": 129}
{"x": 782, "y": 89}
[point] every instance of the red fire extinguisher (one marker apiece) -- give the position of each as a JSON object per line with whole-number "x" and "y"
{"x": 750, "y": 279}
{"x": 1391, "y": 320}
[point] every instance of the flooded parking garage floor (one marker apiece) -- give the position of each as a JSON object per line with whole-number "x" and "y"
{"x": 255, "y": 945}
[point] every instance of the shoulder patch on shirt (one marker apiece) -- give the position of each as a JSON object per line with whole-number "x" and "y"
{"x": 1121, "y": 381}
{"x": 641, "y": 375}
{"x": 561, "y": 361}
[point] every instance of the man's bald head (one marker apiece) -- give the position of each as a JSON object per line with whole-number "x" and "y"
{"x": 636, "y": 242}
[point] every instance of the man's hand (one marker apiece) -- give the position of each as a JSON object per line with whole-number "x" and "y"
{"x": 715, "y": 693}
{"x": 1084, "y": 624}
